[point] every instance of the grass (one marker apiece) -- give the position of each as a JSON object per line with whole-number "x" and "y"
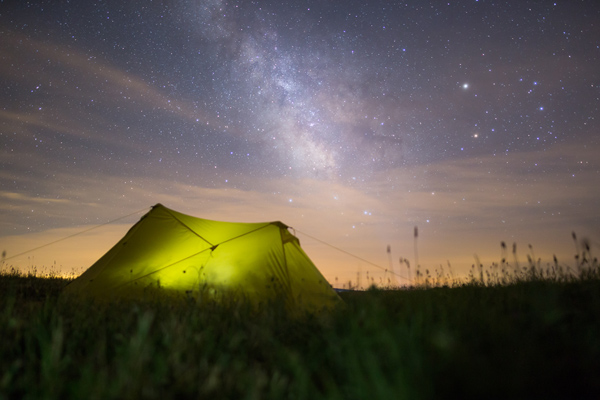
{"x": 517, "y": 334}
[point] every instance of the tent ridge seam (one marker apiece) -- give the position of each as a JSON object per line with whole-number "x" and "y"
{"x": 187, "y": 227}
{"x": 243, "y": 234}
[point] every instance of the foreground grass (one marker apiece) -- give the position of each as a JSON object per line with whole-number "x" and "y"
{"x": 531, "y": 338}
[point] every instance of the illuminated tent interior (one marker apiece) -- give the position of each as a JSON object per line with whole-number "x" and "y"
{"x": 178, "y": 253}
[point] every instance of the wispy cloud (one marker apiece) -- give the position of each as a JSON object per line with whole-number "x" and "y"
{"x": 36, "y": 62}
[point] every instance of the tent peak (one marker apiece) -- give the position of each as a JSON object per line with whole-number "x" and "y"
{"x": 279, "y": 224}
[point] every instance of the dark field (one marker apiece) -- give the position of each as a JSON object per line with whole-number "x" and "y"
{"x": 529, "y": 337}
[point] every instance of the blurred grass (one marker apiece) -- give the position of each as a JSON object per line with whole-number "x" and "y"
{"x": 523, "y": 335}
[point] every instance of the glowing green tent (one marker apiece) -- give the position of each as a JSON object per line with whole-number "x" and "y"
{"x": 177, "y": 253}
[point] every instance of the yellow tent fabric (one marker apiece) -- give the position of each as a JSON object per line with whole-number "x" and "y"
{"x": 260, "y": 262}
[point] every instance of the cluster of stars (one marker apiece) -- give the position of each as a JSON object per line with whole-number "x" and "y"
{"x": 228, "y": 94}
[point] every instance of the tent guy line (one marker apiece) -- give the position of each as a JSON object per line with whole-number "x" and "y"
{"x": 352, "y": 255}
{"x": 75, "y": 234}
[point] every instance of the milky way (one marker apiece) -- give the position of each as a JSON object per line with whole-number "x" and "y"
{"x": 112, "y": 106}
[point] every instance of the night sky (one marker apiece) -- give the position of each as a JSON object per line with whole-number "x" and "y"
{"x": 351, "y": 121}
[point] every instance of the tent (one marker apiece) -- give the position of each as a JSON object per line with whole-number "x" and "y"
{"x": 181, "y": 254}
